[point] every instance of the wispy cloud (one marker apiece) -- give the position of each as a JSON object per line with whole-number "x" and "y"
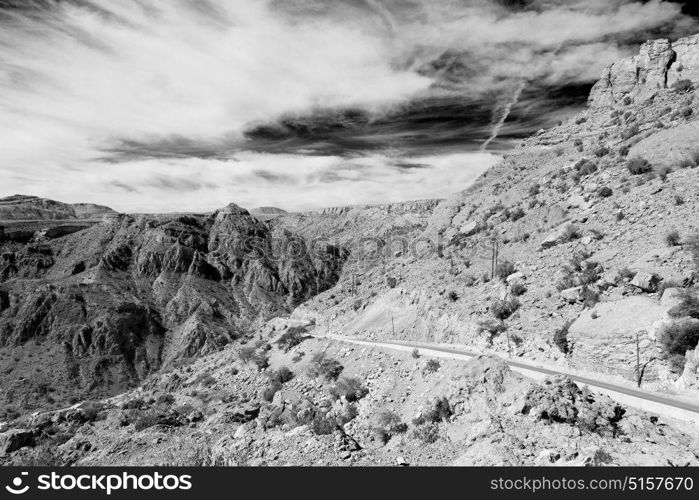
{"x": 139, "y": 98}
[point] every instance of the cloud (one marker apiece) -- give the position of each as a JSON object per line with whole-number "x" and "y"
{"x": 257, "y": 179}
{"x": 137, "y": 99}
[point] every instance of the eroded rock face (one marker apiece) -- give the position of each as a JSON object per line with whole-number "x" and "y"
{"x": 659, "y": 65}
{"x": 103, "y": 308}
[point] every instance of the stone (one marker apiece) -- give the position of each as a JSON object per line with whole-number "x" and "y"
{"x": 469, "y": 229}
{"x": 516, "y": 277}
{"x": 648, "y": 282}
{"x": 572, "y": 295}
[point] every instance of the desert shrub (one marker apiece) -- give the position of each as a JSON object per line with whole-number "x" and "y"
{"x": 427, "y": 433}
{"x": 685, "y": 163}
{"x": 601, "y": 151}
{"x": 571, "y": 233}
{"x": 503, "y": 309}
{"x": 585, "y": 167}
{"x": 604, "y": 192}
{"x": 291, "y": 338}
{"x": 686, "y": 112}
{"x": 625, "y": 274}
{"x": 431, "y": 366}
{"x": 678, "y": 200}
{"x": 630, "y": 132}
{"x": 638, "y": 166}
{"x": 391, "y": 281}
{"x": 590, "y": 296}
{"x": 453, "y": 296}
{"x": 679, "y": 336}
{"x": 504, "y": 269}
{"x": 517, "y": 214}
{"x": 321, "y": 424}
{"x": 492, "y": 326}
{"x": 580, "y": 120}
{"x": 322, "y": 366}
{"x": 627, "y": 100}
{"x": 663, "y": 172}
{"x": 93, "y": 410}
{"x": 672, "y": 238}
{"x": 388, "y": 424}
{"x": 282, "y": 375}
{"x": 682, "y": 86}
{"x": 439, "y": 412}
{"x": 415, "y": 354}
{"x": 688, "y": 306}
{"x": 145, "y": 420}
{"x": 135, "y": 404}
{"x": 518, "y": 289}
{"x": 534, "y": 189}
{"x": 560, "y": 338}
{"x": 351, "y": 388}
{"x": 252, "y": 355}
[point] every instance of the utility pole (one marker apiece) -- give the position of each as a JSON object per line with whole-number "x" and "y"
{"x": 393, "y": 327}
{"x": 638, "y": 361}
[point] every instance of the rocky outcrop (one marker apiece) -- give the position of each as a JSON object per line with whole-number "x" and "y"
{"x": 659, "y": 65}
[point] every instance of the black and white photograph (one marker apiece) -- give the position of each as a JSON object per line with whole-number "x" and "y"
{"x": 349, "y": 233}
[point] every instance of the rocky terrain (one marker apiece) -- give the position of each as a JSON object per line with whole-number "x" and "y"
{"x": 191, "y": 339}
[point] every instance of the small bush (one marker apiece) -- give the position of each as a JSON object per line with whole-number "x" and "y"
{"x": 630, "y": 132}
{"x": 351, "y": 388}
{"x": 281, "y": 375}
{"x": 686, "y": 112}
{"x": 638, "y": 166}
{"x": 560, "y": 338}
{"x": 605, "y": 192}
{"x": 679, "y": 200}
{"x": 688, "y": 306}
{"x": 685, "y": 163}
{"x": 415, "y": 354}
{"x": 291, "y": 338}
{"x": 453, "y": 296}
{"x": 252, "y": 355}
{"x": 585, "y": 167}
{"x": 601, "y": 151}
{"x": 673, "y": 238}
{"x": 134, "y": 404}
{"x": 503, "y": 309}
{"x": 388, "y": 424}
{"x": 426, "y": 433}
{"x": 504, "y": 269}
{"x": 534, "y": 189}
{"x": 517, "y": 214}
{"x": 683, "y": 86}
{"x": 518, "y": 289}
{"x": 322, "y": 366}
{"x": 663, "y": 172}
{"x": 145, "y": 420}
{"x": 431, "y": 366}
{"x": 679, "y": 336}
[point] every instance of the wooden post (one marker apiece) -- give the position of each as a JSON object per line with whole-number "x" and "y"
{"x": 393, "y": 326}
{"x": 638, "y": 361}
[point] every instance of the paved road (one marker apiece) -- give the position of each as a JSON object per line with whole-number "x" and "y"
{"x": 656, "y": 398}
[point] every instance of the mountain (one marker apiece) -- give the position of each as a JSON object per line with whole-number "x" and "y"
{"x": 214, "y": 336}
{"x": 19, "y": 207}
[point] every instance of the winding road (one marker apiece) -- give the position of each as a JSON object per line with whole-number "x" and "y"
{"x": 657, "y": 403}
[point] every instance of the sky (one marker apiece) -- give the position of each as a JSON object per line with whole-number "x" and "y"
{"x": 188, "y": 105}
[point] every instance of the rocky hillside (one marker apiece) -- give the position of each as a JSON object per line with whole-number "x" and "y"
{"x": 96, "y": 311}
{"x": 596, "y": 228}
{"x": 21, "y": 207}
